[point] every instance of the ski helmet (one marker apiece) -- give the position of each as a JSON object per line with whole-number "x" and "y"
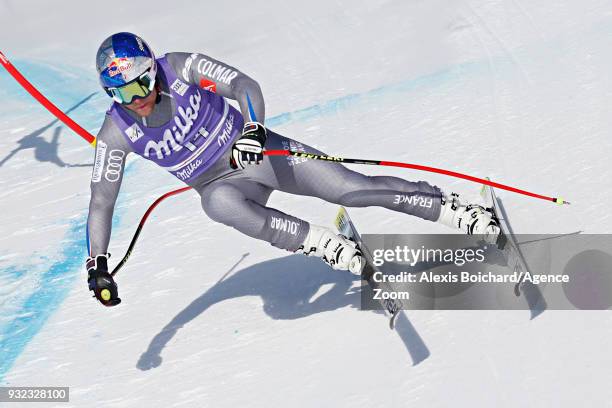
{"x": 126, "y": 66}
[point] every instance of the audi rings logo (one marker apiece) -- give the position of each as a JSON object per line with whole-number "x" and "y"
{"x": 113, "y": 166}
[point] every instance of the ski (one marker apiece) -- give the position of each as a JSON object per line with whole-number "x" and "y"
{"x": 346, "y": 227}
{"x": 506, "y": 242}
{"x": 515, "y": 260}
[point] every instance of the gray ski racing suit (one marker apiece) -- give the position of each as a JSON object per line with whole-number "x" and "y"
{"x": 236, "y": 198}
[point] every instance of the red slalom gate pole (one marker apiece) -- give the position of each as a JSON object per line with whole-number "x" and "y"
{"x": 487, "y": 182}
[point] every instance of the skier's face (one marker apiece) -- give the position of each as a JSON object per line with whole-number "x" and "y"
{"x": 144, "y": 106}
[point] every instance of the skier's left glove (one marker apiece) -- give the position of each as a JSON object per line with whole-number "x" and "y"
{"x": 100, "y": 281}
{"x": 249, "y": 148}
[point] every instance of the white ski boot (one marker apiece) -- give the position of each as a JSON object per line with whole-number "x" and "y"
{"x": 336, "y": 250}
{"x": 470, "y": 218}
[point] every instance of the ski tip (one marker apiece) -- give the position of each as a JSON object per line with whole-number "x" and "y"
{"x": 341, "y": 221}
{"x": 484, "y": 189}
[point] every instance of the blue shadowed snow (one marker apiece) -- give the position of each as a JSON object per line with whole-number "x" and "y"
{"x": 57, "y": 281}
{"x": 39, "y": 306}
{"x": 13, "y": 272}
{"x": 373, "y": 96}
{"x": 62, "y": 86}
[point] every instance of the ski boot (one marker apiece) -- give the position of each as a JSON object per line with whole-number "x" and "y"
{"x": 336, "y": 250}
{"x": 469, "y": 218}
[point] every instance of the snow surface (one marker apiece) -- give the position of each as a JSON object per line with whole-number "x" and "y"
{"x": 515, "y": 90}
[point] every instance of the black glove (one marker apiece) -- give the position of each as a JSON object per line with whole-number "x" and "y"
{"x": 249, "y": 148}
{"x": 100, "y": 281}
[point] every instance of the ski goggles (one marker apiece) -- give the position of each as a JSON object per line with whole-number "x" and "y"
{"x": 141, "y": 87}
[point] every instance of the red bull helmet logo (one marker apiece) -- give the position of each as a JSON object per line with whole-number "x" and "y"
{"x": 119, "y": 65}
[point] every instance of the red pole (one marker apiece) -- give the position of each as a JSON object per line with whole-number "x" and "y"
{"x": 45, "y": 102}
{"x": 420, "y": 167}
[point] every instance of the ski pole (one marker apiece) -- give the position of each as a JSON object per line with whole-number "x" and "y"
{"x": 336, "y": 159}
{"x": 45, "y": 102}
{"x": 487, "y": 182}
{"x": 141, "y": 224}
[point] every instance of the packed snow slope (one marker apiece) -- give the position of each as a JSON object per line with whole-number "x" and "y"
{"x": 515, "y": 90}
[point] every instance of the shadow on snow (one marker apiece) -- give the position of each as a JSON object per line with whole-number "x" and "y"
{"x": 45, "y": 151}
{"x": 286, "y": 286}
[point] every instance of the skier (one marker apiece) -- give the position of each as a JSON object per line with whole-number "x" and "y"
{"x": 173, "y": 111}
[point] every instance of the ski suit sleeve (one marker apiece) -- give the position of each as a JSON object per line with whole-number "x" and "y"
{"x": 111, "y": 152}
{"x": 216, "y": 76}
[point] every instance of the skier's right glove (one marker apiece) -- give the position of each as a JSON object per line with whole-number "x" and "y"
{"x": 100, "y": 281}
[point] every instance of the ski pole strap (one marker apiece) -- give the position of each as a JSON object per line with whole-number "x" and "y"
{"x": 45, "y": 102}
{"x": 337, "y": 159}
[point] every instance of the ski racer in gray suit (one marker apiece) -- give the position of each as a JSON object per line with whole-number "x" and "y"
{"x": 173, "y": 111}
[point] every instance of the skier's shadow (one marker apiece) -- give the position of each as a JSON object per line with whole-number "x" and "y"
{"x": 45, "y": 151}
{"x": 287, "y": 286}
